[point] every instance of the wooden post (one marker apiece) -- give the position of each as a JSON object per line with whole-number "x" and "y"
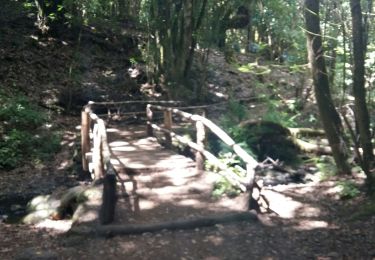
{"x": 168, "y": 125}
{"x": 107, "y": 210}
{"x": 201, "y": 136}
{"x": 149, "y": 129}
{"x": 250, "y": 180}
{"x": 85, "y": 137}
{"x": 97, "y": 153}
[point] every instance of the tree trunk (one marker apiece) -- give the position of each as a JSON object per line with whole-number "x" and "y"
{"x": 46, "y": 8}
{"x": 174, "y": 24}
{"x": 328, "y": 114}
{"x": 359, "y": 91}
{"x": 122, "y": 8}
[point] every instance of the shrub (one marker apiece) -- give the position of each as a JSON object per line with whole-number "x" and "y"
{"x": 348, "y": 189}
{"x": 22, "y": 136}
{"x": 19, "y": 113}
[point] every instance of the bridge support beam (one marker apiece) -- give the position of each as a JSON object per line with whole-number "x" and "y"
{"x": 168, "y": 126}
{"x": 149, "y": 114}
{"x": 85, "y": 137}
{"x": 201, "y": 136}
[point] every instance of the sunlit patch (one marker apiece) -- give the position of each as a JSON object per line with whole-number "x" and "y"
{"x": 112, "y": 130}
{"x": 128, "y": 246}
{"x": 335, "y": 190}
{"x": 311, "y": 224}
{"x": 124, "y": 149}
{"x": 115, "y": 162}
{"x": 146, "y": 204}
{"x": 212, "y": 258}
{"x": 63, "y": 165}
{"x": 190, "y": 202}
{"x": 215, "y": 240}
{"x": 118, "y": 143}
{"x": 42, "y": 44}
{"x": 133, "y": 73}
{"x": 63, "y": 143}
{"x": 60, "y": 226}
{"x": 34, "y": 37}
{"x": 90, "y": 215}
{"x": 221, "y": 95}
{"x": 283, "y": 205}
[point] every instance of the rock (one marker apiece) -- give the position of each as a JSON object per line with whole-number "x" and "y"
{"x": 38, "y": 216}
{"x": 36, "y": 254}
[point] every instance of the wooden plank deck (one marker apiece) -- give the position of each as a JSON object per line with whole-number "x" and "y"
{"x": 134, "y": 152}
{"x": 157, "y": 184}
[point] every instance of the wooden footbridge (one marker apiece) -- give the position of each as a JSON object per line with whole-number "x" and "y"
{"x": 154, "y": 176}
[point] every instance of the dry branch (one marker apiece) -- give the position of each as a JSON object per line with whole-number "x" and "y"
{"x": 136, "y": 102}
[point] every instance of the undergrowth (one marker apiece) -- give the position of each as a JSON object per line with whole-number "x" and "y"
{"x": 366, "y": 210}
{"x": 348, "y": 189}
{"x": 266, "y": 138}
{"x": 25, "y": 136}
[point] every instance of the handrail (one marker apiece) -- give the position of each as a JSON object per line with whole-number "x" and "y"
{"x": 216, "y": 130}
{"x": 247, "y": 184}
{"x": 101, "y": 150}
{"x": 103, "y": 169}
{"x": 135, "y": 102}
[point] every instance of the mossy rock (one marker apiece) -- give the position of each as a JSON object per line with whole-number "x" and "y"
{"x": 269, "y": 139}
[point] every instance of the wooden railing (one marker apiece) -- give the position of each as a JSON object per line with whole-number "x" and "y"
{"x": 101, "y": 161}
{"x": 92, "y": 123}
{"x": 246, "y": 184}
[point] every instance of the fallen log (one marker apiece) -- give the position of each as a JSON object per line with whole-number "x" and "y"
{"x": 115, "y": 230}
{"x": 305, "y": 131}
{"x": 312, "y": 148}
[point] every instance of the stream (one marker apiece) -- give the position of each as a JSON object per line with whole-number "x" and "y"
{"x": 13, "y": 208}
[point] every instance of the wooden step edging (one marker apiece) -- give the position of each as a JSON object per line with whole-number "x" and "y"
{"x": 183, "y": 224}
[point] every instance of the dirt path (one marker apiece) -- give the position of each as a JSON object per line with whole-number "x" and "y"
{"x": 308, "y": 223}
{"x": 274, "y": 237}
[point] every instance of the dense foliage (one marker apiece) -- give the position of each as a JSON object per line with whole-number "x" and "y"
{"x": 25, "y": 137}
{"x": 178, "y": 35}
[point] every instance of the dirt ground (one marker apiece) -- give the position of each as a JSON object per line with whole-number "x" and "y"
{"x": 309, "y": 222}
{"x": 322, "y": 233}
